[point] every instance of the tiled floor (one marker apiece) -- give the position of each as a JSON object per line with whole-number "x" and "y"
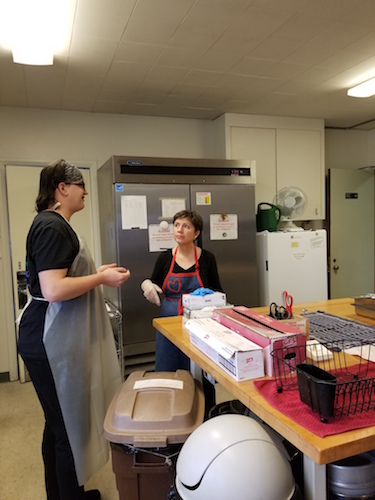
{"x": 21, "y": 427}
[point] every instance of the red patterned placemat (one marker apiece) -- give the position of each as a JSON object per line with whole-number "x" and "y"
{"x": 289, "y": 403}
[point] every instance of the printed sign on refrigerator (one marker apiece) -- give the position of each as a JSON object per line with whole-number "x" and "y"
{"x": 170, "y": 206}
{"x": 160, "y": 237}
{"x": 203, "y": 198}
{"x": 134, "y": 212}
{"x": 223, "y": 227}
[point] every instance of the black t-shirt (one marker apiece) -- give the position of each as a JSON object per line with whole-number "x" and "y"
{"x": 51, "y": 244}
{"x": 207, "y": 269}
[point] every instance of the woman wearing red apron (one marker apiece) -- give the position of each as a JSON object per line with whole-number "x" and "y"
{"x": 180, "y": 270}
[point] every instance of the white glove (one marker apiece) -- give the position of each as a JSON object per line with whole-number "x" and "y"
{"x": 150, "y": 291}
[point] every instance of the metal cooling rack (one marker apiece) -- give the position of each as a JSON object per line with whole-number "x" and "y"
{"x": 328, "y": 381}
{"x": 326, "y": 327}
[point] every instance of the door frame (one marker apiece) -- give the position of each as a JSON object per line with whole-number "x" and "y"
{"x": 9, "y": 321}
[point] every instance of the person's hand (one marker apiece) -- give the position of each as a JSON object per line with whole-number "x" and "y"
{"x": 106, "y": 266}
{"x": 114, "y": 276}
{"x": 151, "y": 291}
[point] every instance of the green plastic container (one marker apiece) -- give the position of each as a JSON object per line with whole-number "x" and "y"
{"x": 268, "y": 217}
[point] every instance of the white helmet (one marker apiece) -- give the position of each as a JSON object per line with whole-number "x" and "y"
{"x": 233, "y": 456}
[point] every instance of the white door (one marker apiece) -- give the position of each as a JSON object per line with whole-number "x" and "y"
{"x": 22, "y": 184}
{"x": 351, "y": 232}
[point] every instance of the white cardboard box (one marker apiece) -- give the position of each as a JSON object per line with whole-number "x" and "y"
{"x": 216, "y": 299}
{"x": 206, "y": 312}
{"x": 236, "y": 355}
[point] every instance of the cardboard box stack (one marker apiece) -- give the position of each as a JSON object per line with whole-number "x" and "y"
{"x": 272, "y": 335}
{"x": 236, "y": 355}
{"x": 201, "y": 306}
{"x": 242, "y": 341}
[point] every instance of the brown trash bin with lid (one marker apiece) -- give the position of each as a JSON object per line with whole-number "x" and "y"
{"x": 147, "y": 422}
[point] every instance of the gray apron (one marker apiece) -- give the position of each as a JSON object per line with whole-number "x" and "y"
{"x": 79, "y": 343}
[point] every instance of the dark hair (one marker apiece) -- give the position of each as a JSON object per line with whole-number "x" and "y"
{"x": 50, "y": 178}
{"x": 193, "y": 216}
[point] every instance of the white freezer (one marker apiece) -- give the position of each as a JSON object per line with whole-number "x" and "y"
{"x": 294, "y": 261}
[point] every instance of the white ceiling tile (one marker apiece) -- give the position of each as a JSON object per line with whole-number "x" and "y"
{"x": 234, "y": 82}
{"x": 214, "y": 60}
{"x": 253, "y": 66}
{"x": 141, "y": 53}
{"x": 311, "y": 53}
{"x": 178, "y": 100}
{"x": 103, "y": 19}
{"x": 190, "y": 91}
{"x": 285, "y": 71}
{"x": 198, "y": 77}
{"x": 331, "y": 9}
{"x": 155, "y": 22}
{"x": 363, "y": 13}
{"x": 302, "y": 28}
{"x": 170, "y": 74}
{"x": 180, "y": 56}
{"x": 164, "y": 86}
{"x": 235, "y": 44}
{"x": 213, "y": 17}
{"x": 274, "y": 48}
{"x": 317, "y": 74}
{"x": 187, "y": 38}
{"x": 340, "y": 35}
{"x": 365, "y": 44}
{"x": 142, "y": 96}
{"x": 201, "y": 58}
{"x": 344, "y": 59}
{"x": 122, "y": 75}
{"x": 260, "y": 20}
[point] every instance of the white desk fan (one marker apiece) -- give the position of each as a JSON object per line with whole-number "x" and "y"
{"x": 292, "y": 202}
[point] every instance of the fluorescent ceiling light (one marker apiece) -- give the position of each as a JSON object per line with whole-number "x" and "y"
{"x": 35, "y": 30}
{"x": 365, "y": 89}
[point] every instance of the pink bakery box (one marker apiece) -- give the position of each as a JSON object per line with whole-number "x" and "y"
{"x": 273, "y": 336}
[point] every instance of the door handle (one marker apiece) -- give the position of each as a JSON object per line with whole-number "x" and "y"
{"x": 336, "y": 268}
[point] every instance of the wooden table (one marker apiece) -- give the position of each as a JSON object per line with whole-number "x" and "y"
{"x": 316, "y": 451}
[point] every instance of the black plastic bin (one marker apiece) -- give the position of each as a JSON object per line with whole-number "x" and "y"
{"x": 317, "y": 388}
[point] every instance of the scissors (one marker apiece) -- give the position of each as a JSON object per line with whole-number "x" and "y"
{"x": 288, "y": 303}
{"x": 278, "y": 312}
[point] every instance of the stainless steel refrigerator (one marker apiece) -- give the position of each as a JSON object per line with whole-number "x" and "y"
{"x": 138, "y": 197}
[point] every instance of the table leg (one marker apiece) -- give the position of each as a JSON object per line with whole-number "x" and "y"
{"x": 315, "y": 482}
{"x": 196, "y": 371}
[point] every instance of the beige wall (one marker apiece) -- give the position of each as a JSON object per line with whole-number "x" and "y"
{"x": 43, "y": 135}
{"x": 349, "y": 148}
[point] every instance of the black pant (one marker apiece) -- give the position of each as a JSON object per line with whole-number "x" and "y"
{"x": 60, "y": 474}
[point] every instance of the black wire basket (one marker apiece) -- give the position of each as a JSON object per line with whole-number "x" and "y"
{"x": 336, "y": 379}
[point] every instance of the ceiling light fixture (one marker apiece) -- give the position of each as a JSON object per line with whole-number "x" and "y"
{"x": 365, "y": 89}
{"x": 35, "y": 30}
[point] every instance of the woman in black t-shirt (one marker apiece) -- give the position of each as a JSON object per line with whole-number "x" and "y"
{"x": 65, "y": 337}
